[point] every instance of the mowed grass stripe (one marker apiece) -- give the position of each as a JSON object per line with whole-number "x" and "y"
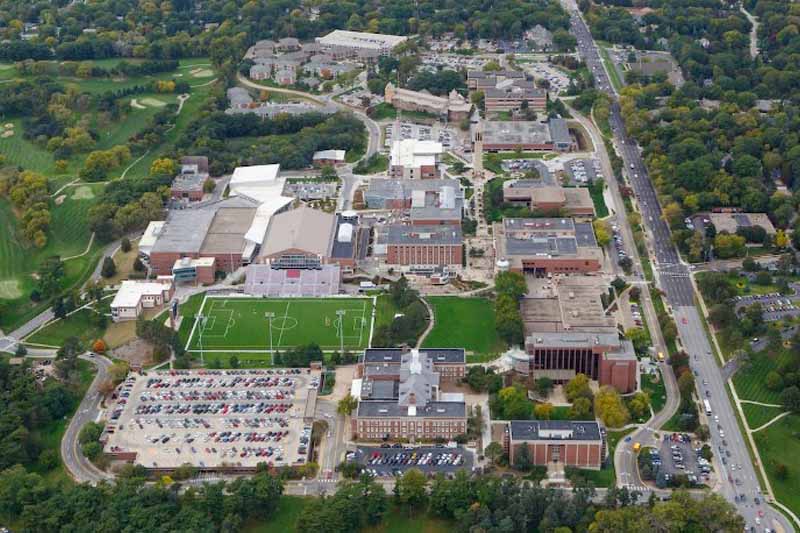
{"x": 750, "y": 381}
{"x": 239, "y": 324}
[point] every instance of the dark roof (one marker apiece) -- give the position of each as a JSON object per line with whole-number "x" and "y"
{"x": 424, "y": 234}
{"x": 199, "y": 160}
{"x": 393, "y": 410}
{"x": 568, "y": 430}
{"x": 392, "y": 355}
{"x": 559, "y": 132}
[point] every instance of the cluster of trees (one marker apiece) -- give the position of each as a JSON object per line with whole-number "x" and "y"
{"x": 100, "y": 162}
{"x": 28, "y": 191}
{"x": 406, "y": 328}
{"x": 509, "y": 287}
{"x": 290, "y": 140}
{"x": 130, "y": 504}
{"x": 89, "y": 69}
{"x": 127, "y": 205}
{"x": 300, "y": 357}
{"x": 718, "y": 291}
{"x": 164, "y": 340}
{"x": 482, "y": 379}
{"x": 687, "y": 410}
{"x": 440, "y": 82}
{"x": 612, "y": 24}
{"x": 29, "y": 406}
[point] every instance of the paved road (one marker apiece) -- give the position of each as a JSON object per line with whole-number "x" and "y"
{"x": 676, "y": 283}
{"x": 79, "y": 467}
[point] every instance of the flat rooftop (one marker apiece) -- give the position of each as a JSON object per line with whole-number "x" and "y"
{"x": 555, "y": 430}
{"x": 211, "y": 418}
{"x": 393, "y": 355}
{"x": 515, "y": 133}
{"x": 391, "y": 409}
{"x": 573, "y": 304}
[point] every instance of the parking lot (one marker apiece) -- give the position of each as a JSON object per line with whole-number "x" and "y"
{"x": 421, "y": 132}
{"x": 559, "y": 82}
{"x": 582, "y": 171}
{"x": 210, "y": 417}
{"x": 393, "y": 461}
{"x": 678, "y": 456}
{"x": 774, "y": 305}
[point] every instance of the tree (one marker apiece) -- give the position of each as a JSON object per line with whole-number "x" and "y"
{"x": 522, "y": 458}
{"x": 125, "y": 245}
{"x": 513, "y": 404}
{"x": 639, "y": 338}
{"x": 581, "y": 409}
{"x": 109, "y": 268}
{"x": 233, "y": 361}
{"x": 508, "y": 319}
{"x": 511, "y": 283}
{"x": 543, "y": 411}
{"x": 347, "y": 405}
{"x": 790, "y": 398}
{"x": 639, "y": 404}
{"x": 163, "y": 167}
{"x": 209, "y": 185}
{"x": 609, "y": 408}
{"x": 412, "y": 489}
{"x": 578, "y": 387}
{"x": 601, "y": 232}
{"x": 774, "y": 381}
{"x": 494, "y": 452}
{"x": 99, "y": 346}
{"x": 544, "y": 385}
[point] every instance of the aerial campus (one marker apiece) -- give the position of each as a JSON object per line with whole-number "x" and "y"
{"x": 404, "y": 266}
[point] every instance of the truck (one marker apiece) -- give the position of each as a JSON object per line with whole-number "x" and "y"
{"x": 636, "y": 447}
{"x": 707, "y": 405}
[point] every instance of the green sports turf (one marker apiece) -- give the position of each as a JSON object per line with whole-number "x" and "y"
{"x": 239, "y": 323}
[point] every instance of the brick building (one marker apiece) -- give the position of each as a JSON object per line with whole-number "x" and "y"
{"x": 413, "y": 159}
{"x": 450, "y": 363}
{"x": 549, "y": 199}
{"x": 547, "y": 246}
{"x": 567, "y": 331}
{"x": 403, "y": 401}
{"x": 216, "y": 230}
{"x": 572, "y": 443}
{"x": 188, "y": 185}
{"x": 424, "y": 246}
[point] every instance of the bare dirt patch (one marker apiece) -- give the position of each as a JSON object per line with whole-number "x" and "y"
{"x": 135, "y": 352}
{"x": 60, "y": 199}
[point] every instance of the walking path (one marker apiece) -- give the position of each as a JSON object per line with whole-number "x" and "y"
{"x": 762, "y": 404}
{"x": 86, "y": 251}
{"x": 73, "y": 182}
{"x": 753, "y": 32}
{"x": 431, "y": 323}
{"x": 763, "y": 426}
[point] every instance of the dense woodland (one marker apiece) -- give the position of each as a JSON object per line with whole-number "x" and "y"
{"x": 170, "y": 30}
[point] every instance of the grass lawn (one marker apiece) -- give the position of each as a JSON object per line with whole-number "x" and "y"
{"x": 239, "y": 323}
{"x": 654, "y": 386}
{"x": 600, "y": 207}
{"x": 383, "y": 111}
{"x": 21, "y": 152}
{"x": 187, "y": 311}
{"x": 76, "y": 325}
{"x": 464, "y": 323}
{"x": 758, "y": 415}
{"x": 373, "y": 165}
{"x": 779, "y": 444}
{"x": 245, "y": 360}
{"x": 750, "y": 380}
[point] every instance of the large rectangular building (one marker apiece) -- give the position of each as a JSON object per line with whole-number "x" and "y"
{"x": 450, "y": 363}
{"x": 454, "y": 107}
{"x": 567, "y": 332}
{"x": 403, "y": 401}
{"x": 514, "y": 97}
{"x": 427, "y": 202}
{"x": 134, "y": 296}
{"x": 552, "y": 200}
{"x": 413, "y": 159}
{"x": 348, "y": 44}
{"x": 217, "y": 230}
{"x": 424, "y": 246}
{"x": 501, "y": 136}
{"x": 578, "y": 444}
{"x": 546, "y": 246}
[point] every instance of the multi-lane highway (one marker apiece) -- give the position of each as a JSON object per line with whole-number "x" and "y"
{"x": 740, "y": 486}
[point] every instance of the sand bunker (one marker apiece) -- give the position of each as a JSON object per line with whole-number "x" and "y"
{"x": 9, "y": 289}
{"x": 83, "y": 193}
{"x": 202, "y": 73}
{"x": 152, "y": 102}
{"x": 136, "y": 105}
{"x": 60, "y": 199}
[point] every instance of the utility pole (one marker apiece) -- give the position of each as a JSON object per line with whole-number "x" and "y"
{"x": 269, "y": 315}
{"x": 340, "y": 313}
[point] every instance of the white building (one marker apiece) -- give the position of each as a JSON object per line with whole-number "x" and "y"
{"x": 413, "y": 159}
{"x": 134, "y": 296}
{"x": 343, "y": 43}
{"x": 150, "y": 237}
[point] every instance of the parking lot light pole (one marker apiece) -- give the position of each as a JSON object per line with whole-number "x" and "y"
{"x": 269, "y": 315}
{"x": 340, "y": 313}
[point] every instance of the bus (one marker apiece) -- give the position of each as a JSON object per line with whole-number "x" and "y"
{"x": 707, "y": 405}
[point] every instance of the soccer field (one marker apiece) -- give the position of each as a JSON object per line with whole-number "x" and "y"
{"x": 240, "y": 323}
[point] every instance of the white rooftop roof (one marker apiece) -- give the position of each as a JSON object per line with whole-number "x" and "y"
{"x": 131, "y": 291}
{"x": 151, "y": 234}
{"x": 414, "y": 153}
{"x": 254, "y": 175}
{"x": 336, "y": 155}
{"x": 270, "y": 204}
{"x": 359, "y": 39}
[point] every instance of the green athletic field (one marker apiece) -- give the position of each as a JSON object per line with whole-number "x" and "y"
{"x": 240, "y": 323}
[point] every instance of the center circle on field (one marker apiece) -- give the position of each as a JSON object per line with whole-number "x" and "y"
{"x": 283, "y": 323}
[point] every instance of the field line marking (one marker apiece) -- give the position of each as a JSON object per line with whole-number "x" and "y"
{"x": 194, "y": 326}
{"x": 372, "y": 321}
{"x": 285, "y": 316}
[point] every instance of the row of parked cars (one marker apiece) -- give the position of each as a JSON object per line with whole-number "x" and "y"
{"x": 412, "y": 458}
{"x": 237, "y": 382}
{"x": 250, "y": 436}
{"x": 212, "y": 408}
{"x": 257, "y": 422}
{"x": 210, "y": 396}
